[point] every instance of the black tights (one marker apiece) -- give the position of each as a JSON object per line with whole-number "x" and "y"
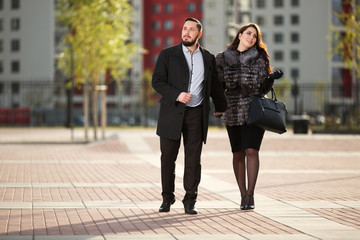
{"x": 252, "y": 167}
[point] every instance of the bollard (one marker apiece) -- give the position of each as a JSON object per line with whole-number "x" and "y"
{"x": 300, "y": 123}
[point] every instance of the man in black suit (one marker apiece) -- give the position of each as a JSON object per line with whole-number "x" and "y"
{"x": 185, "y": 76}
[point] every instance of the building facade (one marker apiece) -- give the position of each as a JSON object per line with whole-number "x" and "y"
{"x": 162, "y": 24}
{"x": 222, "y": 20}
{"x": 26, "y": 50}
{"x": 296, "y": 32}
{"x": 299, "y": 41}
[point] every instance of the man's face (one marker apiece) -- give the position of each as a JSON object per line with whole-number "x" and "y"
{"x": 190, "y": 33}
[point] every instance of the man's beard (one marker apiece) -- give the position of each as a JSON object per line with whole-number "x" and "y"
{"x": 187, "y": 44}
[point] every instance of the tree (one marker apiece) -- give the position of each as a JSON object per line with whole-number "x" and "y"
{"x": 99, "y": 39}
{"x": 346, "y": 41}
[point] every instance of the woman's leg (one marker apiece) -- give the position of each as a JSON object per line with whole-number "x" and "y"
{"x": 252, "y": 156}
{"x": 239, "y": 171}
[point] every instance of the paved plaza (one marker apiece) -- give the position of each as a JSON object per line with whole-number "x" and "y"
{"x": 53, "y": 187}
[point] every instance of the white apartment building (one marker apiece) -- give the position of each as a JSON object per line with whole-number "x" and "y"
{"x": 26, "y": 50}
{"x": 299, "y": 40}
{"x": 295, "y": 32}
{"x": 221, "y": 20}
{"x": 297, "y": 35}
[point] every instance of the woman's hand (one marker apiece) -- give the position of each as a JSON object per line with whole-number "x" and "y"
{"x": 276, "y": 75}
{"x": 218, "y": 114}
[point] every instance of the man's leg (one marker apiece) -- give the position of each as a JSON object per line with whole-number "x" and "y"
{"x": 169, "y": 151}
{"x": 193, "y": 135}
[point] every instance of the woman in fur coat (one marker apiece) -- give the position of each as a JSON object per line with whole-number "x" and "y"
{"x": 244, "y": 69}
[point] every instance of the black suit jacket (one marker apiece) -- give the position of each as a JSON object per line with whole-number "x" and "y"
{"x": 170, "y": 78}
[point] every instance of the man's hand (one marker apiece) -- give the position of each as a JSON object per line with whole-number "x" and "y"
{"x": 184, "y": 97}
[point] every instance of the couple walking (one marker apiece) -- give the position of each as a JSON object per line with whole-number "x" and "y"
{"x": 186, "y": 76}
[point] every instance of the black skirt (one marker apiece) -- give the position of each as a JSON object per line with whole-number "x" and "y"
{"x": 243, "y": 137}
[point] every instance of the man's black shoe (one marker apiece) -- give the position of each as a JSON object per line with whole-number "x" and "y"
{"x": 165, "y": 206}
{"x": 190, "y": 208}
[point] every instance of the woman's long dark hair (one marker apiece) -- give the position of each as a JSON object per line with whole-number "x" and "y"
{"x": 260, "y": 45}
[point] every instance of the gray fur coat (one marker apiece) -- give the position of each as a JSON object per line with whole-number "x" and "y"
{"x": 242, "y": 74}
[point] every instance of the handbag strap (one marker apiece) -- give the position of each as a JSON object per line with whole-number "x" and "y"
{"x": 273, "y": 94}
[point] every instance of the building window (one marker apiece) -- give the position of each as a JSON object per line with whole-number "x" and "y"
{"x": 191, "y": 7}
{"x": 15, "y": 66}
{"x": 212, "y": 21}
{"x": 1, "y": 24}
{"x": 15, "y": 87}
{"x": 335, "y": 41}
{"x": 168, "y": 42}
{"x": 1, "y": 67}
{"x": 156, "y": 8}
{"x": 15, "y": 45}
{"x": 294, "y": 72}
{"x": 211, "y": 39}
{"x": 15, "y": 4}
{"x": 1, "y": 88}
{"x": 168, "y": 25}
{"x": 1, "y": 45}
{"x": 278, "y": 20}
{"x": 244, "y": 17}
{"x": 295, "y": 19}
{"x": 156, "y": 25}
{"x": 260, "y": 20}
{"x": 264, "y": 37}
{"x": 295, "y": 37}
{"x": 295, "y": 55}
{"x": 278, "y": 56}
{"x": 260, "y": 3}
{"x": 295, "y": 3}
{"x": 1, "y": 4}
{"x": 211, "y": 5}
{"x": 278, "y": 38}
{"x": 156, "y": 42}
{"x": 168, "y": 8}
{"x": 340, "y": 7}
{"x": 278, "y": 3}
{"x": 15, "y": 24}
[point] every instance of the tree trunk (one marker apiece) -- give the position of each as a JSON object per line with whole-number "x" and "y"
{"x": 145, "y": 90}
{"x": 86, "y": 112}
{"x": 103, "y": 110}
{"x": 95, "y": 111}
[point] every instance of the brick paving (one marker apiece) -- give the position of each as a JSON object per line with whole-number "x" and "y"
{"x": 55, "y": 188}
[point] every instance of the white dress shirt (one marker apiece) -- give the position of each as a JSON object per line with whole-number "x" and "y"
{"x": 195, "y": 63}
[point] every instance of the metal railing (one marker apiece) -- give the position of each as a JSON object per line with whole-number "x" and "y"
{"x": 45, "y": 103}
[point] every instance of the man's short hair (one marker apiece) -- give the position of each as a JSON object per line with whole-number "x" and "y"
{"x": 198, "y": 23}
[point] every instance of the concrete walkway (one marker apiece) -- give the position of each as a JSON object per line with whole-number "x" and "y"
{"x": 55, "y": 188}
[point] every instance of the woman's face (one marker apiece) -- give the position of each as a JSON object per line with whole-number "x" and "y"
{"x": 247, "y": 39}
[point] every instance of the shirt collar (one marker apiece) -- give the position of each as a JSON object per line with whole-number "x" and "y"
{"x": 186, "y": 50}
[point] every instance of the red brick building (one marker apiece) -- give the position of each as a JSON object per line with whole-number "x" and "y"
{"x": 163, "y": 21}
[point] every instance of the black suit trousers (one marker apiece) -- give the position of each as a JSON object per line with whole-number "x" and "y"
{"x": 193, "y": 141}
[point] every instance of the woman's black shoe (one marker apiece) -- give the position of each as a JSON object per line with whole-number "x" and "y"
{"x": 242, "y": 204}
{"x": 249, "y": 202}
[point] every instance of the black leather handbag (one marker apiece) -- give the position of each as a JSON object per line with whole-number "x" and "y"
{"x": 267, "y": 113}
